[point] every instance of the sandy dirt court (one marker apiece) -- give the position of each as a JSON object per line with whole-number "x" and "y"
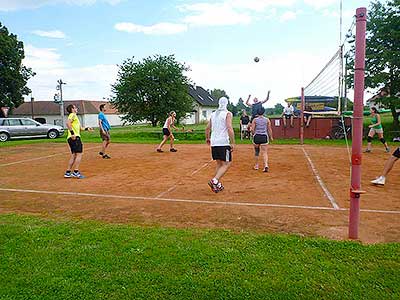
{"x": 306, "y": 191}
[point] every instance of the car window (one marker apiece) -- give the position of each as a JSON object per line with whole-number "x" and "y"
{"x": 12, "y": 122}
{"x": 28, "y": 122}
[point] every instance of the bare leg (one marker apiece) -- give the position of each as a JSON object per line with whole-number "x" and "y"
{"x": 264, "y": 149}
{"x": 104, "y": 146}
{"x": 71, "y": 161}
{"x": 389, "y": 165}
{"x": 284, "y": 122}
{"x": 369, "y": 145}
{"x": 219, "y": 165}
{"x": 221, "y": 170}
{"x": 380, "y": 136}
{"x": 291, "y": 121}
{"x": 308, "y": 121}
{"x": 172, "y": 139}
{"x": 256, "y": 156}
{"x": 162, "y": 142}
{"x": 78, "y": 159}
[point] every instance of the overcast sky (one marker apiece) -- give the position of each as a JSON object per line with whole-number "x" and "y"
{"x": 83, "y": 41}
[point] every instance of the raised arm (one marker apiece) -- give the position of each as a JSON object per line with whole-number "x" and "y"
{"x": 248, "y": 101}
{"x": 267, "y": 98}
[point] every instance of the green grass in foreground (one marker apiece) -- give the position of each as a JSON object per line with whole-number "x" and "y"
{"x": 43, "y": 259}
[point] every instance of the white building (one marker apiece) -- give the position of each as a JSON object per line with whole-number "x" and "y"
{"x": 204, "y": 105}
{"x": 49, "y": 112}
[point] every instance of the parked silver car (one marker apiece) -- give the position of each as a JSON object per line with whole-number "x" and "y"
{"x": 27, "y": 128}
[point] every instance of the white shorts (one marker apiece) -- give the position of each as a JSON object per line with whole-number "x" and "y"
{"x": 372, "y": 131}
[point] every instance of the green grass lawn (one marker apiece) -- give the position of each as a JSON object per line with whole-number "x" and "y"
{"x": 47, "y": 259}
{"x": 146, "y": 134}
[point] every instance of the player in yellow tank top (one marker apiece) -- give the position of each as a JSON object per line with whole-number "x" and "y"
{"x": 74, "y": 142}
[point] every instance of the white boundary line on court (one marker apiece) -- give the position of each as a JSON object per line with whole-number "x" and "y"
{"x": 321, "y": 183}
{"x": 175, "y": 186}
{"x": 193, "y": 201}
{"x": 37, "y": 158}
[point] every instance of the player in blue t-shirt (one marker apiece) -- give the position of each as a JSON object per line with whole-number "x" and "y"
{"x": 104, "y": 127}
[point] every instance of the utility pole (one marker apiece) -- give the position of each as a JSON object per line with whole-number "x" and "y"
{"x": 59, "y": 99}
{"x": 33, "y": 115}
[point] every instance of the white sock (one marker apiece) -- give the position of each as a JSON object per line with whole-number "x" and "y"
{"x": 214, "y": 180}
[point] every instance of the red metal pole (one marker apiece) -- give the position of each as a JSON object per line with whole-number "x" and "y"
{"x": 359, "y": 67}
{"x": 302, "y": 118}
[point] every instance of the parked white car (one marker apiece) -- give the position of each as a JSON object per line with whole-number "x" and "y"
{"x": 18, "y": 128}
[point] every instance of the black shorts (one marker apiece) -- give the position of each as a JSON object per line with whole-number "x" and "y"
{"x": 288, "y": 116}
{"x": 75, "y": 145}
{"x": 307, "y": 115}
{"x": 260, "y": 139}
{"x": 166, "y": 132}
{"x": 396, "y": 152}
{"x": 221, "y": 153}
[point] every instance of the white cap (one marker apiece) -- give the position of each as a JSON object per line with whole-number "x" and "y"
{"x": 222, "y": 103}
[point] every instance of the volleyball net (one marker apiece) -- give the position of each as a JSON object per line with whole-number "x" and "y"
{"x": 326, "y": 93}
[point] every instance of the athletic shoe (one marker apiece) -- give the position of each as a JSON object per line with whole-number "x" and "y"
{"x": 220, "y": 187}
{"x": 215, "y": 187}
{"x": 266, "y": 169}
{"x": 77, "y": 175}
{"x": 106, "y": 156}
{"x": 159, "y": 150}
{"x": 255, "y": 167}
{"x": 379, "y": 181}
{"x": 387, "y": 150}
{"x": 67, "y": 175}
{"x": 173, "y": 150}
{"x": 368, "y": 151}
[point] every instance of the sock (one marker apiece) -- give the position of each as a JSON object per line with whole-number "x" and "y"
{"x": 76, "y": 171}
{"x": 214, "y": 180}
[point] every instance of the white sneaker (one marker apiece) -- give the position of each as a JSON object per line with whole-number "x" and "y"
{"x": 379, "y": 181}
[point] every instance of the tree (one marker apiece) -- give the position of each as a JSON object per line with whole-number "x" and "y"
{"x": 13, "y": 75}
{"x": 278, "y": 109}
{"x": 150, "y": 89}
{"x": 241, "y": 106}
{"x": 232, "y": 108}
{"x": 217, "y": 93}
{"x": 382, "y": 53}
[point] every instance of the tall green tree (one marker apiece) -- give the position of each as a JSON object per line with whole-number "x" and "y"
{"x": 382, "y": 53}
{"x": 278, "y": 109}
{"x": 13, "y": 75}
{"x": 218, "y": 93}
{"x": 151, "y": 88}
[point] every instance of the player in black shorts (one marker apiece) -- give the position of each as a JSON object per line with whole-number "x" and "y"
{"x": 221, "y": 137}
{"x": 167, "y": 134}
{"x": 388, "y": 167}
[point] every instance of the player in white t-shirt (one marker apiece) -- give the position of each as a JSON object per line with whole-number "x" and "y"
{"x": 288, "y": 113}
{"x": 222, "y": 142}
